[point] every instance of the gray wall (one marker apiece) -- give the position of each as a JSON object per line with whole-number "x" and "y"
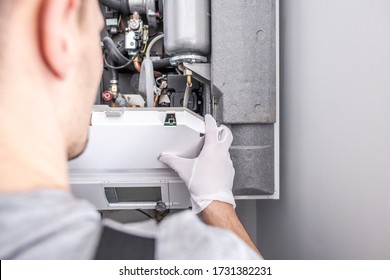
{"x": 335, "y": 136}
{"x": 246, "y": 212}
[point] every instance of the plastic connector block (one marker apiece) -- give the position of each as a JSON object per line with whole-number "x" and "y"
{"x": 170, "y": 119}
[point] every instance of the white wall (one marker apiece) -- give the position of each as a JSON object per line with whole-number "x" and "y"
{"x": 335, "y": 136}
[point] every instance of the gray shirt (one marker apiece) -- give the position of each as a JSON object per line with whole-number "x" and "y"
{"x": 52, "y": 224}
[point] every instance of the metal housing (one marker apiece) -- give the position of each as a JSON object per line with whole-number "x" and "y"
{"x": 187, "y": 27}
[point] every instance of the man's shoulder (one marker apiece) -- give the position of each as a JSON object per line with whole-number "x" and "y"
{"x": 47, "y": 224}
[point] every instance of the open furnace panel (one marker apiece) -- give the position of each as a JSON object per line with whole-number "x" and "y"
{"x": 167, "y": 64}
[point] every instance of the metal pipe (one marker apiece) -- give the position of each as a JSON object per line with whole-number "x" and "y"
{"x": 187, "y": 95}
{"x": 137, "y": 65}
{"x": 121, "y": 6}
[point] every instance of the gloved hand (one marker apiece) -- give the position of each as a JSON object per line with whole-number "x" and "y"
{"x": 210, "y": 176}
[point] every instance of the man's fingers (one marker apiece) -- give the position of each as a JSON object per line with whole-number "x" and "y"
{"x": 226, "y": 136}
{"x": 211, "y": 124}
{"x": 182, "y": 166}
{"x": 211, "y": 130}
{"x": 171, "y": 160}
{"x": 217, "y": 134}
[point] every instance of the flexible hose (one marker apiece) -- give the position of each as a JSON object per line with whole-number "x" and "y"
{"x": 113, "y": 72}
{"x": 116, "y": 56}
{"x": 152, "y": 43}
{"x": 121, "y": 48}
{"x": 113, "y": 51}
{"x": 161, "y": 63}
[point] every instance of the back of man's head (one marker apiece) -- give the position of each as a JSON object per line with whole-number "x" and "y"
{"x": 50, "y": 67}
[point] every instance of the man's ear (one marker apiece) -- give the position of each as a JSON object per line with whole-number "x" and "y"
{"x": 56, "y": 34}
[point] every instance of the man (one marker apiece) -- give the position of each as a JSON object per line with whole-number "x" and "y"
{"x": 50, "y": 61}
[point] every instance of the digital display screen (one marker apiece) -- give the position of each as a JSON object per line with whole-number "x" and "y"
{"x": 138, "y": 194}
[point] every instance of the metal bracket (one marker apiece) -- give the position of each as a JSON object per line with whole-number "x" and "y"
{"x": 201, "y": 71}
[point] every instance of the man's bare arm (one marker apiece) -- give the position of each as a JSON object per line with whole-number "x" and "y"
{"x": 223, "y": 215}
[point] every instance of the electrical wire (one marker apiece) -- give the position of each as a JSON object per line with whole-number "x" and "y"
{"x": 144, "y": 49}
{"x": 116, "y": 67}
{"x": 119, "y": 67}
{"x": 160, "y": 78}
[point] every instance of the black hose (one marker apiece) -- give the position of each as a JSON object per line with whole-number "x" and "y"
{"x": 113, "y": 72}
{"x": 121, "y": 48}
{"x": 113, "y": 51}
{"x": 121, "y": 6}
{"x": 115, "y": 55}
{"x": 161, "y": 63}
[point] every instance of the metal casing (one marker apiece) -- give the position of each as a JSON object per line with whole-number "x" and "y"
{"x": 187, "y": 27}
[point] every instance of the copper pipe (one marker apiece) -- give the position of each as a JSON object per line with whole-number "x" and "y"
{"x": 156, "y": 97}
{"x": 137, "y": 65}
{"x": 157, "y": 74}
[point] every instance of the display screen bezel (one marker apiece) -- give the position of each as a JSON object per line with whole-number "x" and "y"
{"x": 138, "y": 194}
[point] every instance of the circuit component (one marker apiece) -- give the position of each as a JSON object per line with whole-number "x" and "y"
{"x": 170, "y": 119}
{"x": 136, "y": 37}
{"x": 135, "y": 45}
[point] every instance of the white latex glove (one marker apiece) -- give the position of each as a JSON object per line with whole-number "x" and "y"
{"x": 210, "y": 176}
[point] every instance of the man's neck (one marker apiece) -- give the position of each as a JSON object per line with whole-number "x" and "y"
{"x": 32, "y": 151}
